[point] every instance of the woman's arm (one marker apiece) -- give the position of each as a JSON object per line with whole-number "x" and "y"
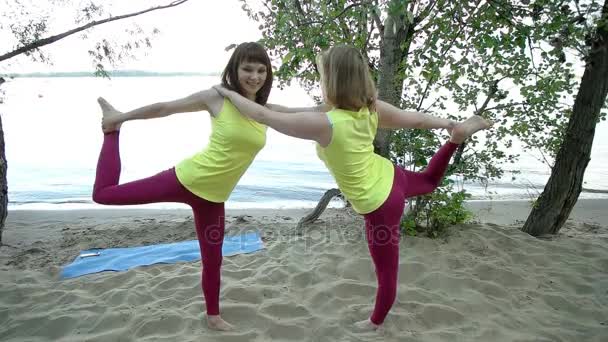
{"x": 390, "y": 116}
{"x": 278, "y": 108}
{"x": 304, "y": 125}
{"x": 193, "y": 103}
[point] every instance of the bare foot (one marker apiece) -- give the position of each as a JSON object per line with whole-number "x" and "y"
{"x": 470, "y": 126}
{"x": 108, "y": 123}
{"x": 216, "y": 322}
{"x": 367, "y": 325}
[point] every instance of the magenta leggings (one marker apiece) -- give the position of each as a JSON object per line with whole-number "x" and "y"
{"x": 164, "y": 187}
{"x": 382, "y": 225}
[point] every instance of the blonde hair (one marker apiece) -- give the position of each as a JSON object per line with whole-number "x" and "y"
{"x": 345, "y": 78}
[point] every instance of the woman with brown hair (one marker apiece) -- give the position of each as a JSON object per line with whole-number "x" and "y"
{"x": 374, "y": 186}
{"x": 205, "y": 180}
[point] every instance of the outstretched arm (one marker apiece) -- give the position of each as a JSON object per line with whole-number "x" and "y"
{"x": 304, "y": 125}
{"x": 193, "y": 103}
{"x": 278, "y": 108}
{"x": 390, "y": 116}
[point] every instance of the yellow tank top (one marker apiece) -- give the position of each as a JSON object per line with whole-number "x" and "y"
{"x": 234, "y": 142}
{"x": 364, "y": 177}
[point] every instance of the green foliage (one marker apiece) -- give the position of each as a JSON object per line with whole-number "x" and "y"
{"x": 534, "y": 203}
{"x": 432, "y": 214}
{"x": 296, "y": 31}
{"x": 408, "y": 225}
{"x": 513, "y": 62}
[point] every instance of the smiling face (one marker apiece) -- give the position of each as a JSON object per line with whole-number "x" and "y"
{"x": 252, "y": 76}
{"x": 249, "y": 72}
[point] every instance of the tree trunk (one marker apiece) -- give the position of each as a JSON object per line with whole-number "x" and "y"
{"x": 565, "y": 183}
{"x": 3, "y": 183}
{"x": 390, "y": 77}
{"x": 319, "y": 209}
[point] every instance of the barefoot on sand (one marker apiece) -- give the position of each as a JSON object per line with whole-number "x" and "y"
{"x": 217, "y": 323}
{"x": 367, "y": 325}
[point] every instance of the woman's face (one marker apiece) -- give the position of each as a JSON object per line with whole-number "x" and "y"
{"x": 252, "y": 76}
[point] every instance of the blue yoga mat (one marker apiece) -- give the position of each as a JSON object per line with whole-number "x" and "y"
{"x": 122, "y": 259}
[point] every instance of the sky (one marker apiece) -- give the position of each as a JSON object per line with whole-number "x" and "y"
{"x": 193, "y": 37}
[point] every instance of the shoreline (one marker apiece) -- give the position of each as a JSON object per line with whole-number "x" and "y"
{"x": 80, "y": 229}
{"x": 585, "y": 209}
{"x": 272, "y": 205}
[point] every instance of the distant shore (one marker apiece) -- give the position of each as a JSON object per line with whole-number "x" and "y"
{"x": 111, "y": 73}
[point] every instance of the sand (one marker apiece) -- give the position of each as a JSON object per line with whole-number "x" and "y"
{"x": 487, "y": 281}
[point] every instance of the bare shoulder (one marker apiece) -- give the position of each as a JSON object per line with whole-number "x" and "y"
{"x": 212, "y": 99}
{"x": 389, "y": 116}
{"x": 385, "y": 108}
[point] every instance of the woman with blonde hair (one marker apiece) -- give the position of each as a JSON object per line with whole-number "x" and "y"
{"x": 375, "y": 187}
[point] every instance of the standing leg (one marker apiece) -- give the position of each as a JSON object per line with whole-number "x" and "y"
{"x": 165, "y": 187}
{"x": 383, "y": 235}
{"x": 382, "y": 225}
{"x": 209, "y": 220}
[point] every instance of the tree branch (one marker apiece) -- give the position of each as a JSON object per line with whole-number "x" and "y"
{"x": 369, "y": 35}
{"x": 459, "y": 152}
{"x": 367, "y": 39}
{"x": 425, "y": 13}
{"x": 501, "y": 107}
{"x": 492, "y": 92}
{"x": 356, "y": 4}
{"x": 378, "y": 23}
{"x": 343, "y": 26}
{"x": 449, "y": 47}
{"x": 501, "y": 15}
{"x": 42, "y": 42}
{"x": 299, "y": 8}
{"x": 427, "y": 109}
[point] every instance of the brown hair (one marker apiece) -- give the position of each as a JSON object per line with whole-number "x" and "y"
{"x": 248, "y": 52}
{"x": 345, "y": 78}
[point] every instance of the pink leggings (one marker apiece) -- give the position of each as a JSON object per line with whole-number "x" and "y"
{"x": 164, "y": 187}
{"x": 382, "y": 225}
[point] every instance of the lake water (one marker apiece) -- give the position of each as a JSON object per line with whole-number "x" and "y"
{"x": 52, "y": 133}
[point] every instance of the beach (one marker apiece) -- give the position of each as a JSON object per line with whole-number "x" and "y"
{"x": 485, "y": 281}
{"x": 65, "y": 260}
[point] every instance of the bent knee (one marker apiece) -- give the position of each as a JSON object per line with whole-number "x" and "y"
{"x": 99, "y": 198}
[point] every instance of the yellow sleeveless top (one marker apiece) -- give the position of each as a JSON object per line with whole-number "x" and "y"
{"x": 234, "y": 142}
{"x": 364, "y": 177}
